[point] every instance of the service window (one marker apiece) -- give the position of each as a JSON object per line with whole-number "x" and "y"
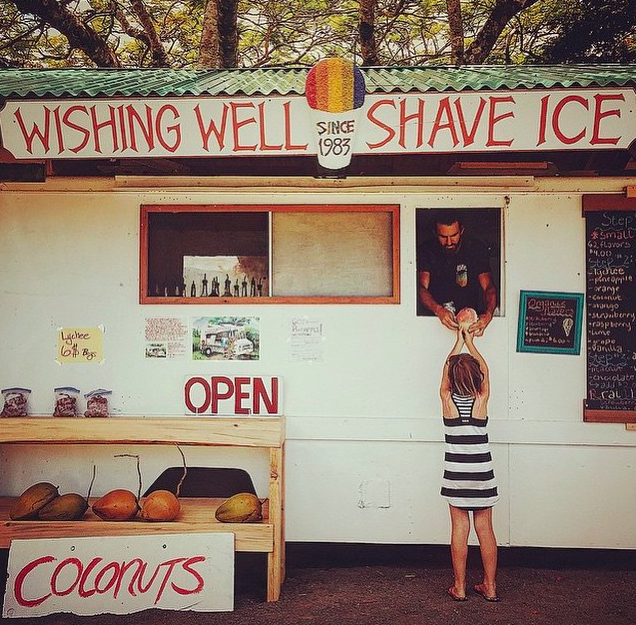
{"x": 269, "y": 254}
{"x": 473, "y": 246}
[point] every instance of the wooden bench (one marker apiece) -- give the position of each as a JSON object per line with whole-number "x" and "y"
{"x": 197, "y": 513}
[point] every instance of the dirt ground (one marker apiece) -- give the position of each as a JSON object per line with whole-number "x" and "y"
{"x": 373, "y": 585}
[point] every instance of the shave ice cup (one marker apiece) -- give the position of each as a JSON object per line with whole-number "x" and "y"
{"x": 335, "y": 91}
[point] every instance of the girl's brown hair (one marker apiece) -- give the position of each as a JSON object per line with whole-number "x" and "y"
{"x": 465, "y": 375}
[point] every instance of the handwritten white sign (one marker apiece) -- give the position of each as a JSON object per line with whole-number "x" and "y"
{"x": 120, "y": 575}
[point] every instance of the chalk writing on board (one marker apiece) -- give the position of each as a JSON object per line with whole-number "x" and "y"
{"x": 611, "y": 310}
{"x": 550, "y": 322}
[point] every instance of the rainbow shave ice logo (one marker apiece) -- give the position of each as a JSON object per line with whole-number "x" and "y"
{"x": 335, "y": 93}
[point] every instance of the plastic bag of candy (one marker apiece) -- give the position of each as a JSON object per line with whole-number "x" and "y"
{"x": 66, "y": 401}
{"x": 97, "y": 403}
{"x": 15, "y": 401}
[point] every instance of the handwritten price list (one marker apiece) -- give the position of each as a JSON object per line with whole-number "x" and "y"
{"x": 80, "y": 345}
{"x": 611, "y": 310}
{"x": 550, "y": 322}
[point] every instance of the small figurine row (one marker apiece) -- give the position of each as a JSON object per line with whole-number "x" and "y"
{"x": 230, "y": 290}
{"x": 16, "y": 400}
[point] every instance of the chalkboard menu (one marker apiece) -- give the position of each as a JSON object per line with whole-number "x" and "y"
{"x": 611, "y": 308}
{"x": 550, "y": 322}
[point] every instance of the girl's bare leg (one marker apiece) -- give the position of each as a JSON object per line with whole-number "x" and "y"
{"x": 460, "y": 528}
{"x": 488, "y": 548}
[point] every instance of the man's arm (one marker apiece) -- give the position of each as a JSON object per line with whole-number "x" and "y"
{"x": 445, "y": 316}
{"x": 490, "y": 299}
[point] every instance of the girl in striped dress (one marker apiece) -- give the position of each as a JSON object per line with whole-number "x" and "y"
{"x": 468, "y": 483}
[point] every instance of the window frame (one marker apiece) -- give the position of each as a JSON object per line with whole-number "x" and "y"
{"x": 147, "y": 209}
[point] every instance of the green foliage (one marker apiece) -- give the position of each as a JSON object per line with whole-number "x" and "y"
{"x": 593, "y": 32}
{"x": 293, "y": 33}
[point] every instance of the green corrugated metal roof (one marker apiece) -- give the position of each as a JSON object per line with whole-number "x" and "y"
{"x": 30, "y": 83}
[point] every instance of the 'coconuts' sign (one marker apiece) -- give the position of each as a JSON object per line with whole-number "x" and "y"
{"x": 120, "y": 575}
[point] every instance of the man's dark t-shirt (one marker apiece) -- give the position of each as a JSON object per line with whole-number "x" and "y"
{"x": 454, "y": 275}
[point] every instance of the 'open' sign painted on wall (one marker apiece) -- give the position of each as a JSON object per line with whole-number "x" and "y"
{"x": 239, "y": 395}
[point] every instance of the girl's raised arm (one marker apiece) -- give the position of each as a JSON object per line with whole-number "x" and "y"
{"x": 473, "y": 351}
{"x": 445, "y": 387}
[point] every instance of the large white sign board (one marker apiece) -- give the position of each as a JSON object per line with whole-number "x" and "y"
{"x": 120, "y": 575}
{"x": 431, "y": 122}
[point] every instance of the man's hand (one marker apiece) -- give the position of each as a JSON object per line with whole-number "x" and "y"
{"x": 477, "y": 328}
{"x": 447, "y": 318}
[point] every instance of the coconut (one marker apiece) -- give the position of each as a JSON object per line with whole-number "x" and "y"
{"x": 466, "y": 317}
{"x": 160, "y": 505}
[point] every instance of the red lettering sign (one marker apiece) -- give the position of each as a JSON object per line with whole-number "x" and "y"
{"x": 241, "y": 395}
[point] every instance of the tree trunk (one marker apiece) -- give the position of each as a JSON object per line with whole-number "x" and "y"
{"x": 456, "y": 27}
{"x": 159, "y": 56}
{"x": 503, "y": 12}
{"x": 366, "y": 29}
{"x": 79, "y": 35}
{"x": 228, "y": 33}
{"x": 209, "y": 53}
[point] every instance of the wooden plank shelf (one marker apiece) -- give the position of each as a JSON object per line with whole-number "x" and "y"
{"x": 247, "y": 432}
{"x": 197, "y": 514}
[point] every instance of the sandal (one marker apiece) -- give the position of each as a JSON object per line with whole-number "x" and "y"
{"x": 451, "y": 593}
{"x": 479, "y": 589}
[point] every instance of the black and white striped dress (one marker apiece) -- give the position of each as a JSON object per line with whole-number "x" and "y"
{"x": 469, "y": 480}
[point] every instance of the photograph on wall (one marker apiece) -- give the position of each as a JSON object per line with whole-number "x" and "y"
{"x": 226, "y": 338}
{"x": 225, "y": 276}
{"x": 549, "y": 322}
{"x": 458, "y": 253}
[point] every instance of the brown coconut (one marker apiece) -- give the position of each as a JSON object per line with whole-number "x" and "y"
{"x": 32, "y": 500}
{"x": 466, "y": 317}
{"x": 160, "y": 505}
{"x": 117, "y": 505}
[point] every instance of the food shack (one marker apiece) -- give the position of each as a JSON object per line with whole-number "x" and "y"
{"x": 140, "y": 208}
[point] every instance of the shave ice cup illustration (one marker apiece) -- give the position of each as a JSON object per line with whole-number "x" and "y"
{"x": 335, "y": 92}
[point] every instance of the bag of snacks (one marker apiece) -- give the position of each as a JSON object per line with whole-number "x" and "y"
{"x": 15, "y": 401}
{"x": 97, "y": 403}
{"x": 66, "y": 401}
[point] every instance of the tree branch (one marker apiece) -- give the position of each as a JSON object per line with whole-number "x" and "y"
{"x": 79, "y": 35}
{"x": 159, "y": 56}
{"x": 502, "y": 13}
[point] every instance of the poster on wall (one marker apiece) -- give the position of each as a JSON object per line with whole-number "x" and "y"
{"x": 166, "y": 337}
{"x": 225, "y": 276}
{"x": 549, "y": 322}
{"x": 306, "y": 340}
{"x": 226, "y": 338}
{"x": 80, "y": 345}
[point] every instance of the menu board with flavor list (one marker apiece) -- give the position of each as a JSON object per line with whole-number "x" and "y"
{"x": 550, "y": 322}
{"x": 611, "y": 308}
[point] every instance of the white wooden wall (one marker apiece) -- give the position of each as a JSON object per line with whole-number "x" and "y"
{"x": 364, "y": 447}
